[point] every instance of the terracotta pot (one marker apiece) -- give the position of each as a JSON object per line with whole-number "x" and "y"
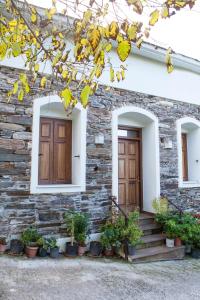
{"x": 177, "y": 242}
{"x": 81, "y": 250}
{"x": 2, "y": 248}
{"x": 108, "y": 252}
{"x": 169, "y": 243}
{"x": 31, "y": 251}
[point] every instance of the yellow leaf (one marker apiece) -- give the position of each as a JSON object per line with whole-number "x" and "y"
{"x": 15, "y": 87}
{"x": 13, "y": 23}
{"x": 85, "y": 93}
{"x": 139, "y": 43}
{"x": 170, "y": 68}
{"x": 165, "y": 12}
{"x": 3, "y": 50}
{"x": 132, "y": 32}
{"x": 87, "y": 15}
{"x": 154, "y": 16}
{"x": 112, "y": 74}
{"x": 113, "y": 30}
{"x": 64, "y": 74}
{"x": 21, "y": 95}
{"x": 33, "y": 18}
{"x": 108, "y": 47}
{"x": 168, "y": 60}
{"x": 118, "y": 75}
{"x": 123, "y": 74}
{"x": 43, "y": 82}
{"x": 36, "y": 68}
{"x": 67, "y": 97}
{"x": 94, "y": 38}
{"x": 16, "y": 49}
{"x": 123, "y": 49}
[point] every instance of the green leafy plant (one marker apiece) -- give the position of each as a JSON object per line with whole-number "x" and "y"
{"x": 43, "y": 243}
{"x": 110, "y": 236}
{"x": 80, "y": 227}
{"x": 30, "y": 236}
{"x": 69, "y": 218}
{"x": 52, "y": 243}
{"x": 170, "y": 228}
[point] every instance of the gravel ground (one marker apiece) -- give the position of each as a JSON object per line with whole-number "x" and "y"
{"x": 100, "y": 279}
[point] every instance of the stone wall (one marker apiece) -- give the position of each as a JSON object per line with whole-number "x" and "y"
{"x": 18, "y": 208}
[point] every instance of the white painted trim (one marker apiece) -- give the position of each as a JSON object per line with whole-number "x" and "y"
{"x": 115, "y": 114}
{"x": 179, "y": 123}
{"x": 48, "y": 189}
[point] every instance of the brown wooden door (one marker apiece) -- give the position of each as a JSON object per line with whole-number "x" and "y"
{"x": 55, "y": 151}
{"x": 129, "y": 174}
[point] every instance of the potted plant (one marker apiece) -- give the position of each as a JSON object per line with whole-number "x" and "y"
{"x": 72, "y": 246}
{"x": 3, "y": 244}
{"x": 30, "y": 238}
{"x": 132, "y": 233}
{"x": 196, "y": 241}
{"x": 170, "y": 231}
{"x": 43, "y": 247}
{"x": 80, "y": 231}
{"x": 16, "y": 247}
{"x": 54, "y": 249}
{"x": 108, "y": 238}
{"x": 188, "y": 223}
{"x": 95, "y": 248}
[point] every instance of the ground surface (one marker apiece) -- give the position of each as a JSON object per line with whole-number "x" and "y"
{"x": 99, "y": 279}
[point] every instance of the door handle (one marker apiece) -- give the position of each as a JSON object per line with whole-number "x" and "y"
{"x": 40, "y": 154}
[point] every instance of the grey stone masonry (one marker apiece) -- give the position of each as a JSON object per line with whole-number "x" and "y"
{"x": 19, "y": 208}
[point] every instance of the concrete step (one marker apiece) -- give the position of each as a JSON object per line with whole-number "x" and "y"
{"x": 158, "y": 253}
{"x": 150, "y": 228}
{"x": 152, "y": 241}
{"x": 146, "y": 219}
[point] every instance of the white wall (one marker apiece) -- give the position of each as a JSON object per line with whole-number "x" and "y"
{"x": 148, "y": 75}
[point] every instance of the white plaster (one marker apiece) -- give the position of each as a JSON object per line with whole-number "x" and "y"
{"x": 190, "y": 126}
{"x": 52, "y": 106}
{"x": 150, "y": 150}
{"x": 146, "y": 73}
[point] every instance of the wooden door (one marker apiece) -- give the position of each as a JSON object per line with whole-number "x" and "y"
{"x": 129, "y": 174}
{"x": 55, "y": 160}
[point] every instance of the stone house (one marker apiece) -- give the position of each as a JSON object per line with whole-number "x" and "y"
{"x": 136, "y": 141}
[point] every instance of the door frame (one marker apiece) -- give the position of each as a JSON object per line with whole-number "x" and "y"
{"x": 139, "y": 139}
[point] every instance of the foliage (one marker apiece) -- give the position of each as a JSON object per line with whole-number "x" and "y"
{"x": 3, "y": 241}
{"x": 196, "y": 236}
{"x": 170, "y": 227}
{"x": 30, "y": 236}
{"x": 160, "y": 205}
{"x": 69, "y": 218}
{"x": 110, "y": 236}
{"x": 80, "y": 227}
{"x": 77, "y": 47}
{"x": 43, "y": 243}
{"x": 51, "y": 243}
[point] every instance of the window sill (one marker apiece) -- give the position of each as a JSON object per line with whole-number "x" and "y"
{"x": 57, "y": 189}
{"x": 189, "y": 184}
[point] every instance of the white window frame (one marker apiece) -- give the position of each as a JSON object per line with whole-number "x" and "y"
{"x": 179, "y": 124}
{"x": 78, "y": 149}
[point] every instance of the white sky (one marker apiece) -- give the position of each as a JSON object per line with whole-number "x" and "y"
{"x": 181, "y": 31}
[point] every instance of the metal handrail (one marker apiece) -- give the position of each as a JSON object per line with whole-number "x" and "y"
{"x": 113, "y": 199}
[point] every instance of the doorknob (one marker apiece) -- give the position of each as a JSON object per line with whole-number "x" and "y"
{"x": 40, "y": 154}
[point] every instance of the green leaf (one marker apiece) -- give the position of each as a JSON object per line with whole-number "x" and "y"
{"x": 123, "y": 49}
{"x": 67, "y": 97}
{"x": 85, "y": 93}
{"x": 112, "y": 75}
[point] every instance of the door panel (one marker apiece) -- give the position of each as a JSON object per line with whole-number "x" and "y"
{"x": 129, "y": 174}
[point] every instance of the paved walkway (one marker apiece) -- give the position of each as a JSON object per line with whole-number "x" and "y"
{"x": 100, "y": 279}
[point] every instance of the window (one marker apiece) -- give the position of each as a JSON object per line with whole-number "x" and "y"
{"x": 58, "y": 147}
{"x": 188, "y": 133}
{"x": 55, "y": 151}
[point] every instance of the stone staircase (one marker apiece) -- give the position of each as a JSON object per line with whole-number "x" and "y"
{"x": 153, "y": 246}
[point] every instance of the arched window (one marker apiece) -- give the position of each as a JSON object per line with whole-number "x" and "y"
{"x": 58, "y": 147}
{"x": 188, "y": 138}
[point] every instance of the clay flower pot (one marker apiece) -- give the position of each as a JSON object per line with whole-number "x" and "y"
{"x": 81, "y": 250}
{"x": 31, "y": 251}
{"x": 178, "y": 242}
{"x": 2, "y": 248}
{"x": 108, "y": 252}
